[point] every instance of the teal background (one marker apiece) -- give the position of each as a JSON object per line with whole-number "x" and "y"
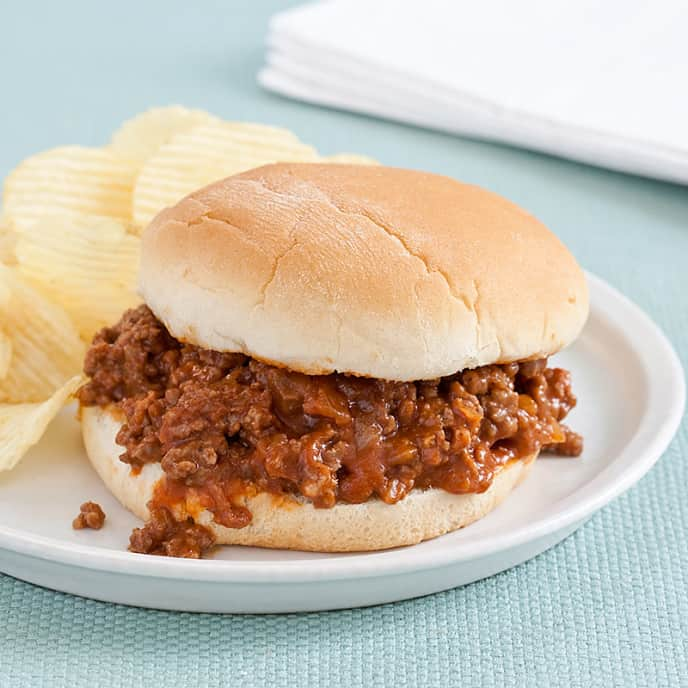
{"x": 607, "y": 607}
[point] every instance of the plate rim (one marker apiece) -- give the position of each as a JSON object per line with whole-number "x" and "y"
{"x": 659, "y": 423}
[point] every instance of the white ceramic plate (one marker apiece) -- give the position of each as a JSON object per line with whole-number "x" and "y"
{"x": 631, "y": 394}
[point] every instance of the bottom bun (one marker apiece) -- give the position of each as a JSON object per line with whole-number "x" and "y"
{"x": 292, "y": 523}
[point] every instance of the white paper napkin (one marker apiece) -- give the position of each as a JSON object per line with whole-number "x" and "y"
{"x": 600, "y": 82}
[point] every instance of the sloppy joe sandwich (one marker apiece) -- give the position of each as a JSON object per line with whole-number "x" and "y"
{"x": 332, "y": 358}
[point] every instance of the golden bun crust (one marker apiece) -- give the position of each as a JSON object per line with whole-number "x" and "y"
{"x": 367, "y": 270}
{"x": 287, "y": 523}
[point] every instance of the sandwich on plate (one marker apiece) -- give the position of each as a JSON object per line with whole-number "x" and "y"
{"x": 332, "y": 358}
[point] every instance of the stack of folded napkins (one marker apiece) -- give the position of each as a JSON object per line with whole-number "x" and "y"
{"x": 601, "y": 82}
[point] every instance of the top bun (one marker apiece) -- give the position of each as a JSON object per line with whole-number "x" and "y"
{"x": 373, "y": 271}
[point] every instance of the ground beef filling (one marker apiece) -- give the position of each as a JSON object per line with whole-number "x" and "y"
{"x": 164, "y": 535}
{"x": 224, "y": 425}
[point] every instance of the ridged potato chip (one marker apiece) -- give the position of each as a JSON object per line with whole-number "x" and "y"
{"x": 8, "y": 239}
{"x": 22, "y": 425}
{"x": 72, "y": 180}
{"x": 5, "y": 354}
{"x": 204, "y": 154}
{"x": 142, "y": 135}
{"x": 46, "y": 347}
{"x": 351, "y": 159}
{"x": 86, "y": 264}
{"x": 5, "y": 294}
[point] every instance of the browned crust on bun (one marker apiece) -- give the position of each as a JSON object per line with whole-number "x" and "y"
{"x": 372, "y": 271}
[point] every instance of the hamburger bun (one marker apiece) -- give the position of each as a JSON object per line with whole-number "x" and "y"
{"x": 372, "y": 271}
{"x": 287, "y": 522}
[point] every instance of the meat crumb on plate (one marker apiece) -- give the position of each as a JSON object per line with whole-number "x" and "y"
{"x": 90, "y": 515}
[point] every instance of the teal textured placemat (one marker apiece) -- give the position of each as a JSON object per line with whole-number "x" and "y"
{"x": 607, "y": 607}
